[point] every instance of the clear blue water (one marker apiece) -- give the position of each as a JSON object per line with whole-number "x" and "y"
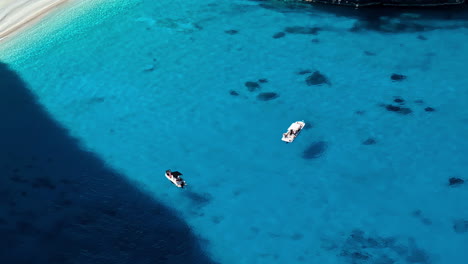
{"x": 144, "y": 86}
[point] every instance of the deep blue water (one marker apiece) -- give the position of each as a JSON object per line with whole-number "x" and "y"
{"x": 95, "y": 113}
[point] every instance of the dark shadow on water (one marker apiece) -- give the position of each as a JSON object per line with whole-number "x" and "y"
{"x": 386, "y": 19}
{"x": 315, "y": 150}
{"x": 60, "y": 204}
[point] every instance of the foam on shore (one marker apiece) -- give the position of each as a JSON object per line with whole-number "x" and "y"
{"x": 15, "y": 15}
{"x": 62, "y": 21}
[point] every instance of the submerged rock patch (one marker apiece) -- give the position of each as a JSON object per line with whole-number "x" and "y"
{"x": 397, "y": 77}
{"x": 429, "y": 109}
{"x": 317, "y": 78}
{"x": 233, "y": 93}
{"x": 455, "y": 181}
{"x": 369, "y": 141}
{"x": 398, "y": 109}
{"x": 361, "y": 248}
{"x": 231, "y": 31}
{"x": 278, "y": 35}
{"x": 252, "y": 86}
{"x": 421, "y": 37}
{"x": 302, "y": 72}
{"x": 267, "y": 96}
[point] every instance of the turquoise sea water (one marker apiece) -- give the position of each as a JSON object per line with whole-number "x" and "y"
{"x": 152, "y": 85}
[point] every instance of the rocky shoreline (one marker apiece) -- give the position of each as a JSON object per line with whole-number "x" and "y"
{"x": 361, "y": 3}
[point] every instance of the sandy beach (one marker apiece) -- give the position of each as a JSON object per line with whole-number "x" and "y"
{"x": 17, "y": 14}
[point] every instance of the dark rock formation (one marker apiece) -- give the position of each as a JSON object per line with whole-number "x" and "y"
{"x": 369, "y": 53}
{"x": 398, "y": 109}
{"x": 455, "y": 181}
{"x": 231, "y": 31}
{"x": 369, "y": 141}
{"x": 317, "y": 78}
{"x": 267, "y": 96}
{"x": 429, "y": 109}
{"x": 302, "y": 72}
{"x": 397, "y": 77}
{"x": 279, "y": 35}
{"x": 233, "y": 93}
{"x": 421, "y": 37}
{"x": 252, "y": 86}
{"x": 361, "y": 3}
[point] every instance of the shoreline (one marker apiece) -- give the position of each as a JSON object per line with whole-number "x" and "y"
{"x": 17, "y": 15}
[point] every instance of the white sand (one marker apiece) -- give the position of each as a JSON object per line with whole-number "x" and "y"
{"x": 17, "y": 14}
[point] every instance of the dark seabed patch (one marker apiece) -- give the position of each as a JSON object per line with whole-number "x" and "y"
{"x": 217, "y": 219}
{"x": 231, "y": 32}
{"x": 199, "y": 200}
{"x": 398, "y": 109}
{"x": 278, "y": 35}
{"x": 302, "y": 30}
{"x": 454, "y": 181}
{"x": 315, "y": 40}
{"x": 317, "y": 78}
{"x": 399, "y": 100}
{"x": 360, "y": 248}
{"x": 267, "y": 96}
{"x": 429, "y": 109}
{"x": 297, "y": 236}
{"x": 421, "y": 37}
{"x": 315, "y": 150}
{"x": 369, "y": 141}
{"x": 460, "y": 226}
{"x": 397, "y": 77}
{"x": 303, "y": 72}
{"x": 419, "y": 215}
{"x": 369, "y": 53}
{"x": 233, "y": 93}
{"x": 252, "y": 86}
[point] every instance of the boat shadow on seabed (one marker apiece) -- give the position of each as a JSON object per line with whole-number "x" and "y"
{"x": 61, "y": 204}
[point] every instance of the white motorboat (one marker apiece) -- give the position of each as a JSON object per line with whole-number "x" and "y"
{"x": 293, "y": 131}
{"x": 175, "y": 178}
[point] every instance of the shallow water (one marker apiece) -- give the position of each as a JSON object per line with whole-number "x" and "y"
{"x": 159, "y": 85}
